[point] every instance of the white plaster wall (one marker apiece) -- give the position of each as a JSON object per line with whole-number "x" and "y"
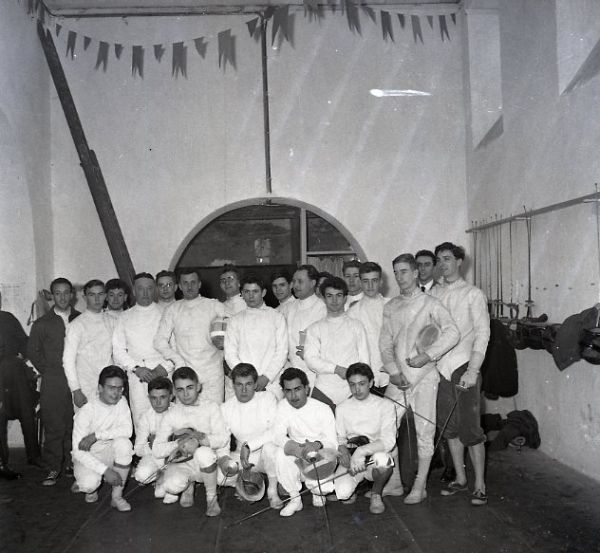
{"x": 26, "y": 244}
{"x": 547, "y": 154}
{"x": 174, "y": 150}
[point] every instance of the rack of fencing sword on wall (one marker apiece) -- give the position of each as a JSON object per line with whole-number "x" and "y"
{"x": 490, "y": 241}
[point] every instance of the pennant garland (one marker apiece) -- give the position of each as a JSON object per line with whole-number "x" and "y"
{"x": 226, "y": 40}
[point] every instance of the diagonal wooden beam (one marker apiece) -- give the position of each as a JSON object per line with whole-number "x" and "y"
{"x": 89, "y": 163}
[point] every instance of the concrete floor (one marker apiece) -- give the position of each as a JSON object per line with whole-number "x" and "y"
{"x": 536, "y": 505}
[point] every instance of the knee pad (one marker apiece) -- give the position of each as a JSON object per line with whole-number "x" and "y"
{"x": 123, "y": 451}
{"x": 205, "y": 457}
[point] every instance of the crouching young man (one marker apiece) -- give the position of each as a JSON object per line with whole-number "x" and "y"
{"x": 366, "y": 428}
{"x": 101, "y": 440}
{"x": 160, "y": 393}
{"x": 249, "y": 418}
{"x": 303, "y": 427}
{"x": 193, "y": 428}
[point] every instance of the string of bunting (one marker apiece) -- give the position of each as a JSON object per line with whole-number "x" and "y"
{"x": 281, "y": 22}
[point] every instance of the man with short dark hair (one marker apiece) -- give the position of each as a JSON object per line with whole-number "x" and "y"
{"x": 257, "y": 335}
{"x": 366, "y": 425}
{"x": 133, "y": 347}
{"x": 303, "y": 427}
{"x": 301, "y": 314}
{"x": 426, "y": 264}
{"x": 202, "y": 432}
{"x": 230, "y": 285}
{"x": 88, "y": 345}
{"x": 351, "y": 272}
{"x": 333, "y": 344}
{"x": 250, "y": 417}
{"x": 117, "y": 297}
{"x": 369, "y": 311}
{"x": 281, "y": 284}
{"x": 166, "y": 286}
{"x": 45, "y": 351}
{"x": 410, "y": 359}
{"x": 101, "y": 440}
{"x": 461, "y": 366}
{"x": 189, "y": 322}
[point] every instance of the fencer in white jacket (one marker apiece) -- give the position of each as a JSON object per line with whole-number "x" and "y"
{"x": 249, "y": 417}
{"x": 257, "y": 335}
{"x": 303, "y": 427}
{"x": 101, "y": 440}
{"x": 160, "y": 393}
{"x": 188, "y": 321}
{"x": 333, "y": 344}
{"x": 308, "y": 309}
{"x": 88, "y": 345}
{"x": 133, "y": 344}
{"x": 365, "y": 425}
{"x": 369, "y": 311}
{"x": 206, "y": 433}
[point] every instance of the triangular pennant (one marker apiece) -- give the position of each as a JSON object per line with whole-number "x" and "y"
{"x": 42, "y": 15}
{"x": 118, "y": 51}
{"x": 280, "y": 21}
{"x": 137, "y": 61}
{"x": 179, "y": 60}
{"x": 370, "y": 12}
{"x": 416, "y": 27}
{"x": 252, "y": 26}
{"x": 71, "y": 43}
{"x": 444, "y": 27}
{"x": 200, "y": 46}
{"x": 453, "y": 16}
{"x": 30, "y": 6}
{"x": 158, "y": 52}
{"x": 37, "y": 4}
{"x": 311, "y": 5}
{"x": 102, "y": 58}
{"x": 86, "y": 42}
{"x": 226, "y": 48}
{"x": 402, "y": 19}
{"x": 352, "y": 15}
{"x": 269, "y": 12}
{"x": 58, "y": 28}
{"x": 386, "y": 26}
{"x": 430, "y": 19}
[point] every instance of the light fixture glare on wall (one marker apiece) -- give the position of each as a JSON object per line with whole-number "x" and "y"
{"x": 378, "y": 93}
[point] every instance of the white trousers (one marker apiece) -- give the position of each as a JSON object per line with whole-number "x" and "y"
{"x": 422, "y": 398}
{"x": 119, "y": 451}
{"x": 146, "y": 471}
{"x": 346, "y": 484}
{"x": 290, "y": 476}
{"x": 263, "y": 460}
{"x": 177, "y": 476}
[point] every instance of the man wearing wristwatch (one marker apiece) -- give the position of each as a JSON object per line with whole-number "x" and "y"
{"x": 303, "y": 427}
{"x": 461, "y": 366}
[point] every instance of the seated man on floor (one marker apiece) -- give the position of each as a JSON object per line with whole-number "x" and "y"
{"x": 249, "y": 417}
{"x": 160, "y": 393}
{"x": 366, "y": 425}
{"x": 101, "y": 440}
{"x": 193, "y": 428}
{"x": 303, "y": 427}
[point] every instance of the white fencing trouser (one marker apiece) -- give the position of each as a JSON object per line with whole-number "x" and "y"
{"x": 346, "y": 484}
{"x": 422, "y": 398}
{"x": 138, "y": 397}
{"x": 119, "y": 451}
{"x": 213, "y": 388}
{"x": 290, "y": 476}
{"x": 263, "y": 460}
{"x": 177, "y": 476}
{"x": 147, "y": 469}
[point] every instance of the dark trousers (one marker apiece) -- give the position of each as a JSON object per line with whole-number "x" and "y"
{"x": 18, "y": 404}
{"x": 57, "y": 419}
